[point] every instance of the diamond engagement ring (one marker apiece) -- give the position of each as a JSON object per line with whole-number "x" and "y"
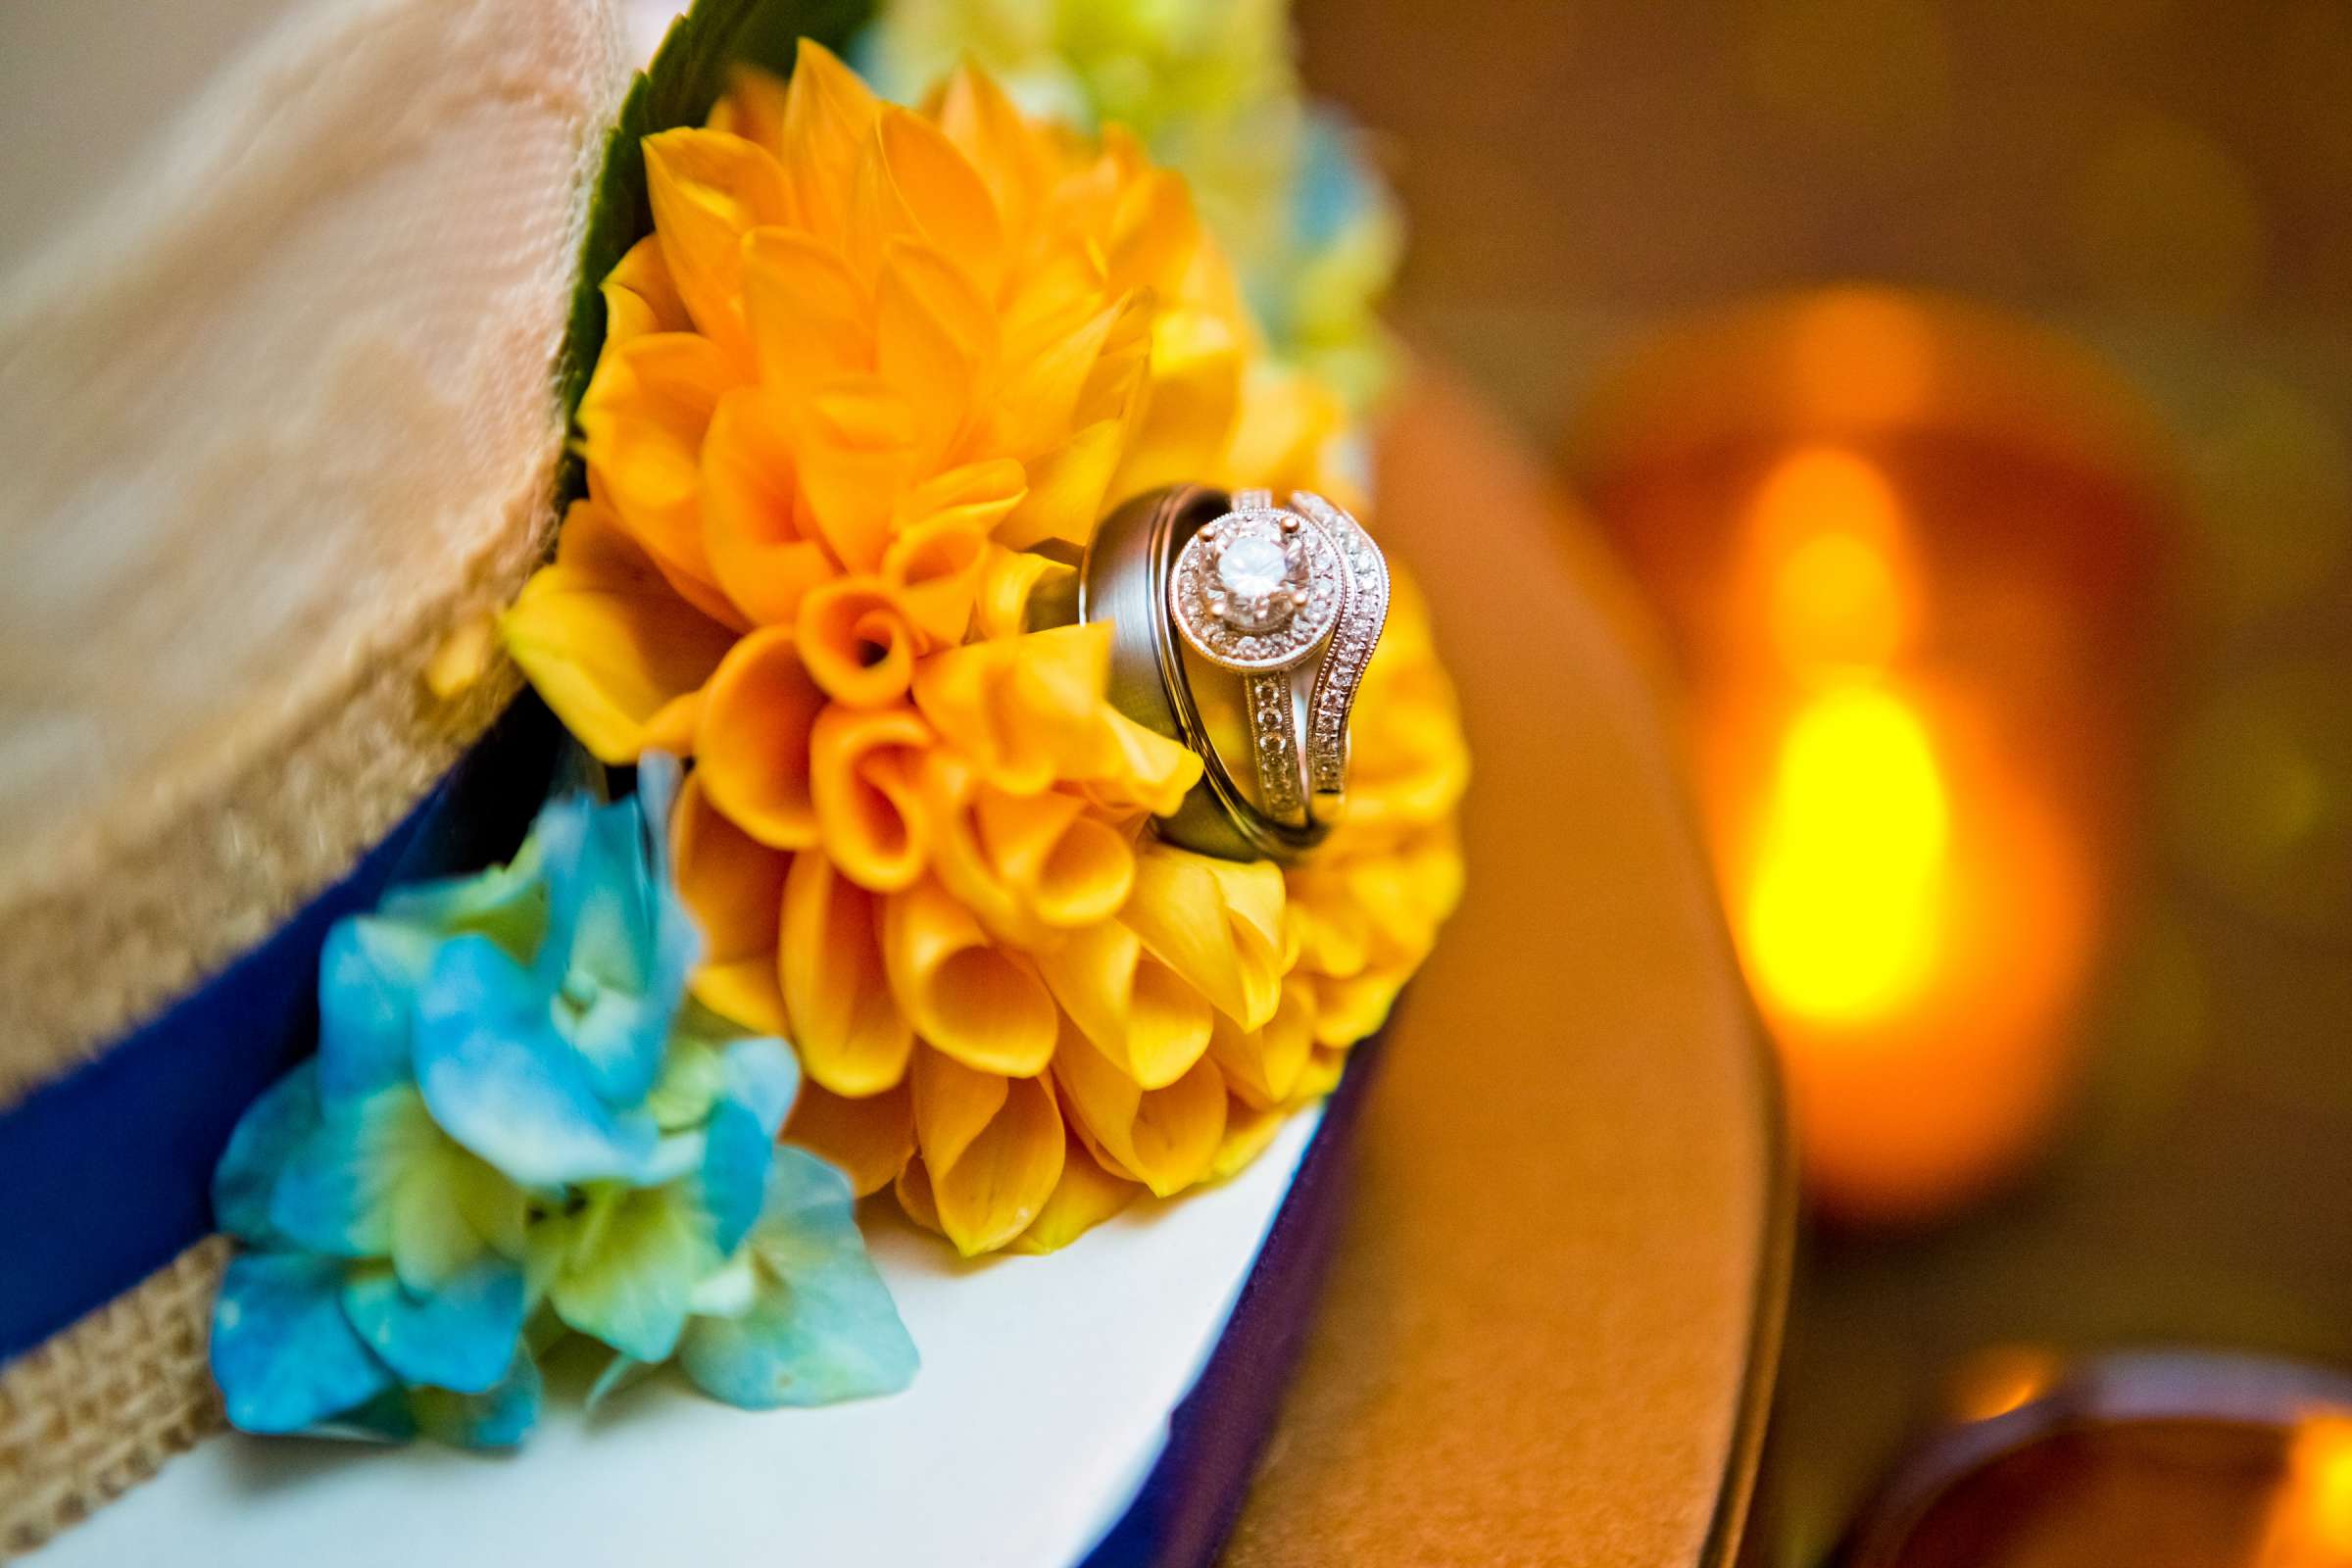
{"x": 1292, "y": 599}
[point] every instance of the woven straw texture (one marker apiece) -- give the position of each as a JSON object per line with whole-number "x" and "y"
{"x": 285, "y": 422}
{"x": 100, "y": 1406}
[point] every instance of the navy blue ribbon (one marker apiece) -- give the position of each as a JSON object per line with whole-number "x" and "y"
{"x": 106, "y": 1172}
{"x": 1189, "y": 1503}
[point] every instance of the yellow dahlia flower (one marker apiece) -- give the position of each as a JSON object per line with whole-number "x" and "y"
{"x": 1210, "y": 87}
{"x": 871, "y": 373}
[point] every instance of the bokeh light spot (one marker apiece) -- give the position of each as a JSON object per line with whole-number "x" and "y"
{"x": 1844, "y": 910}
{"x": 2260, "y": 795}
{"x": 2167, "y": 222}
{"x": 1860, "y": 358}
{"x": 2274, "y": 499}
{"x": 1826, "y": 537}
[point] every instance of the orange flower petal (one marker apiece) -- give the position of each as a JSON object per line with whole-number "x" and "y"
{"x": 870, "y": 1138}
{"x": 639, "y": 297}
{"x": 849, "y": 1031}
{"x": 1086, "y": 1196}
{"x": 1137, "y": 1010}
{"x": 993, "y": 1150}
{"x": 1323, "y": 1072}
{"x": 1067, "y": 489}
{"x": 856, "y": 442}
{"x": 751, "y": 517}
{"x": 1247, "y": 1132}
{"x": 979, "y": 1002}
{"x": 858, "y": 641}
{"x": 1027, "y": 866}
{"x": 1013, "y": 159}
{"x": 810, "y": 322}
{"x": 641, "y": 421}
{"x": 708, "y": 190}
{"x": 912, "y": 1190}
{"x": 1218, "y": 924}
{"x": 753, "y": 746}
{"x": 864, "y": 777}
{"x": 752, "y": 106}
{"x": 1030, "y": 712}
{"x": 734, "y": 884}
{"x": 828, "y": 115}
{"x": 1167, "y": 1138}
{"x": 942, "y": 551}
{"x": 1188, "y": 419}
{"x": 913, "y": 184}
{"x": 1349, "y": 1009}
{"x": 1071, "y": 870}
{"x": 1263, "y": 1066}
{"x": 618, "y": 656}
{"x": 1018, "y": 587}
{"x": 933, "y": 335}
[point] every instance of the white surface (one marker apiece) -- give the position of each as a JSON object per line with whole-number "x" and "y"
{"x": 1042, "y": 1404}
{"x": 276, "y": 351}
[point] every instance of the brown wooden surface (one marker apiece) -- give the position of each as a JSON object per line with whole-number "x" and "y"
{"x": 1548, "y": 1330}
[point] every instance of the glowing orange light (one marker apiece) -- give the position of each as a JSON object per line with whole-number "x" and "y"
{"x": 2311, "y": 1522}
{"x": 1910, "y": 634}
{"x": 1846, "y": 903}
{"x": 1994, "y": 1383}
{"x": 1843, "y": 907}
{"x": 1903, "y": 913}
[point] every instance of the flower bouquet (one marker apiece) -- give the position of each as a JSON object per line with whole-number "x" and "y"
{"x": 864, "y": 923}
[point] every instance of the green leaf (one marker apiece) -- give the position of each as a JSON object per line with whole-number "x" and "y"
{"x": 687, "y": 74}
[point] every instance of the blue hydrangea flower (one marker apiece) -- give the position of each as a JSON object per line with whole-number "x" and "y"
{"x": 518, "y": 1127}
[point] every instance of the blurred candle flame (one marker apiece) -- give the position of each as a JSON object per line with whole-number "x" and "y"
{"x": 1901, "y": 549}
{"x": 1884, "y": 860}
{"x": 2311, "y": 1522}
{"x": 1845, "y": 907}
{"x": 1844, "y": 903}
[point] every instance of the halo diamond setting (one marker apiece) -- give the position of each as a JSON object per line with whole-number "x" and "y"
{"x": 1258, "y": 589}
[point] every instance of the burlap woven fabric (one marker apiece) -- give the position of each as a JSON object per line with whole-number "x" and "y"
{"x": 97, "y": 1408}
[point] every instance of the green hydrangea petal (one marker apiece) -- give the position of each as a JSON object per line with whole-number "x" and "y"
{"x": 335, "y": 1193}
{"x": 505, "y": 1084}
{"x": 733, "y": 1179}
{"x": 620, "y": 1374}
{"x": 246, "y": 1179}
{"x": 450, "y": 1206}
{"x": 284, "y": 1354}
{"x": 630, "y": 1275}
{"x": 498, "y": 1419}
{"x": 367, "y": 977}
{"x": 507, "y": 904}
{"x": 461, "y": 1337}
{"x": 822, "y": 1326}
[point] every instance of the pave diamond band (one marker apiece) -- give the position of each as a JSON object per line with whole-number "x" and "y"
{"x": 1364, "y": 612}
{"x": 1281, "y": 596}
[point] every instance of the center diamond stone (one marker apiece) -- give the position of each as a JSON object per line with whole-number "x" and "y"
{"x": 1253, "y": 567}
{"x": 1255, "y": 575}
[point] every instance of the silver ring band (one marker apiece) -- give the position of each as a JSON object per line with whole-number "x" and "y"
{"x": 1342, "y": 671}
{"x": 1123, "y": 579}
